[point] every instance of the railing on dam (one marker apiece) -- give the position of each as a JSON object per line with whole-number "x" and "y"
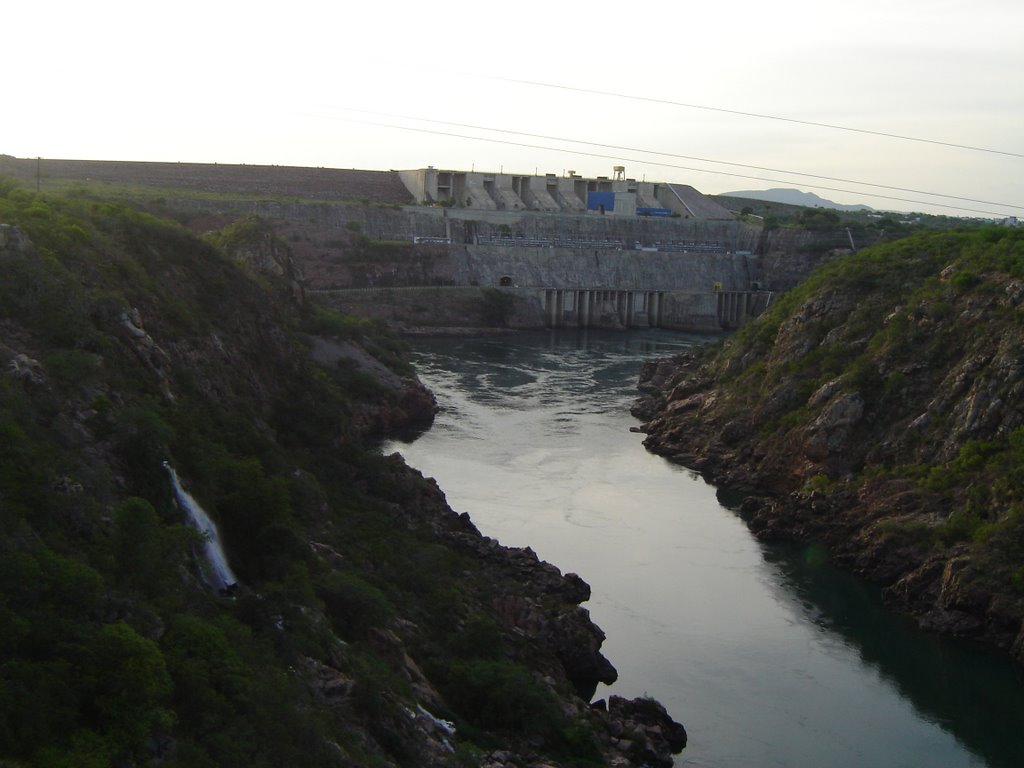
{"x": 607, "y": 244}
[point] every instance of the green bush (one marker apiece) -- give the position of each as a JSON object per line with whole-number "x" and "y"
{"x": 480, "y": 638}
{"x": 354, "y": 605}
{"x": 500, "y": 695}
{"x": 132, "y": 704}
{"x": 145, "y": 552}
{"x": 327, "y": 322}
{"x": 72, "y": 366}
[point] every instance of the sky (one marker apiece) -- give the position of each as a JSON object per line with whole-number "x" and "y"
{"x": 722, "y": 96}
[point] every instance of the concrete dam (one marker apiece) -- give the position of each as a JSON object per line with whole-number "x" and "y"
{"x": 577, "y": 270}
{"x": 564, "y": 250}
{"x": 612, "y": 268}
{"x": 591, "y": 253}
{"x": 616, "y": 264}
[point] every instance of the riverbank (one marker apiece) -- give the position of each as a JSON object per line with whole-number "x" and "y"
{"x": 765, "y": 652}
{"x": 367, "y": 623}
{"x": 859, "y": 526}
{"x": 876, "y": 409}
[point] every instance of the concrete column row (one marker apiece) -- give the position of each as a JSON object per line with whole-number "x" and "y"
{"x": 582, "y": 308}
{"x": 735, "y": 307}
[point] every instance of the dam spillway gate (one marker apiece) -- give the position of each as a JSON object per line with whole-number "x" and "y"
{"x": 568, "y": 308}
{"x": 604, "y": 308}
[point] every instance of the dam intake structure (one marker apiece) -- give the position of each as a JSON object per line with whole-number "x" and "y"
{"x": 585, "y": 308}
{"x": 573, "y": 251}
{"x": 554, "y": 270}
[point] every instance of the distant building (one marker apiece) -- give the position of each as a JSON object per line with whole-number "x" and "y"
{"x": 560, "y": 194}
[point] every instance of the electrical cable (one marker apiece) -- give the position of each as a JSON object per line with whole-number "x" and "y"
{"x": 760, "y": 116}
{"x": 670, "y": 165}
{"x": 689, "y": 157}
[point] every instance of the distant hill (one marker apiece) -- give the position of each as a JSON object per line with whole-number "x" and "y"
{"x": 794, "y": 197}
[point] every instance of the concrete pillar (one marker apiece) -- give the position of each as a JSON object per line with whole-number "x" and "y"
{"x": 583, "y": 317}
{"x": 630, "y": 304}
{"x": 654, "y": 309}
{"x": 550, "y": 307}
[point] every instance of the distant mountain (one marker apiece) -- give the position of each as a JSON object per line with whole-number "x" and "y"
{"x": 794, "y": 197}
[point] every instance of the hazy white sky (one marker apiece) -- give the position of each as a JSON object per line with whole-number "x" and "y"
{"x": 298, "y": 83}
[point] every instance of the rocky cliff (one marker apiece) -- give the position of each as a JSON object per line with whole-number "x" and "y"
{"x": 879, "y": 408}
{"x": 371, "y": 624}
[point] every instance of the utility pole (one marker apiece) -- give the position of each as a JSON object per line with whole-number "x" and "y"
{"x": 39, "y": 162}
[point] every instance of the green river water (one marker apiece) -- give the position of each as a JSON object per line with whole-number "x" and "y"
{"x": 767, "y": 654}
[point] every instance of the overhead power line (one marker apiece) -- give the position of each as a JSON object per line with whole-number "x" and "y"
{"x": 665, "y": 165}
{"x": 699, "y": 159}
{"x": 761, "y": 116}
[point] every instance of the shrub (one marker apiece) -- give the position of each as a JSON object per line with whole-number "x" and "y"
{"x": 500, "y": 695}
{"x": 480, "y": 638}
{"x": 132, "y": 704}
{"x": 353, "y": 604}
{"x": 964, "y": 279}
{"x": 327, "y": 322}
{"x": 71, "y": 366}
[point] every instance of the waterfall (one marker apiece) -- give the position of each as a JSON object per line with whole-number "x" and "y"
{"x": 219, "y": 574}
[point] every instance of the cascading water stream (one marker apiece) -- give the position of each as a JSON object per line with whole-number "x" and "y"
{"x": 219, "y": 574}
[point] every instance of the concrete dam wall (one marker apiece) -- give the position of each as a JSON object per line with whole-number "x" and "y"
{"x": 681, "y": 310}
{"x": 608, "y": 268}
{"x": 707, "y": 275}
{"x": 432, "y": 310}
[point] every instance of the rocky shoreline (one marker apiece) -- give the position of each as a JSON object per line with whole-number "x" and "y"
{"x": 534, "y": 601}
{"x": 685, "y": 420}
{"x": 540, "y": 606}
{"x": 388, "y": 611}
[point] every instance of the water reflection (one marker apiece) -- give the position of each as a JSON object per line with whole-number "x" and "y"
{"x": 971, "y": 692}
{"x": 769, "y": 655}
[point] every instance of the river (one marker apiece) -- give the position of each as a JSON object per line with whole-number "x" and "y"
{"x": 767, "y": 654}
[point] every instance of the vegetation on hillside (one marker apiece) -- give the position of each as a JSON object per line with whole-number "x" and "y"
{"x": 866, "y": 226}
{"x": 126, "y": 342}
{"x": 889, "y": 387}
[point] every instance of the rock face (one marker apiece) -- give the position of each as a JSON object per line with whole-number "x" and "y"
{"x": 877, "y": 408}
{"x": 251, "y": 241}
{"x": 643, "y": 731}
{"x": 405, "y": 403}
